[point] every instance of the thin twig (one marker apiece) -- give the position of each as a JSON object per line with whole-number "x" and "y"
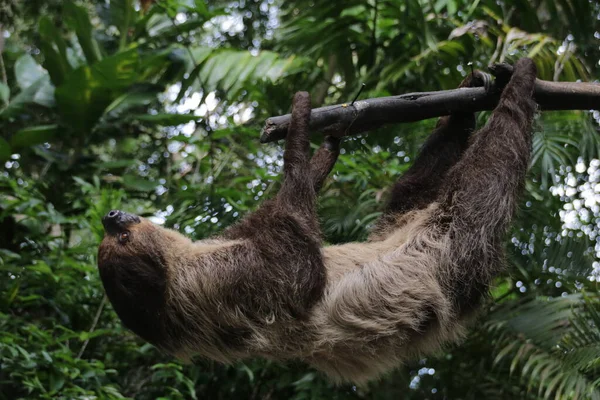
{"x": 93, "y": 327}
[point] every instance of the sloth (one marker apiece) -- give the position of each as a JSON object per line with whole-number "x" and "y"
{"x": 268, "y": 287}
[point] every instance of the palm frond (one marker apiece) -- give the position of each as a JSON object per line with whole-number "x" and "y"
{"x": 229, "y": 71}
{"x": 553, "y": 345}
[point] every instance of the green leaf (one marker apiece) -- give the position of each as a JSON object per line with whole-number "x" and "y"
{"x": 162, "y": 26}
{"x": 201, "y": 8}
{"x": 137, "y": 183}
{"x": 356, "y": 11}
{"x": 41, "y": 267}
{"x": 4, "y": 94}
{"x": 90, "y": 90}
{"x": 56, "y": 382}
{"x": 54, "y": 49}
{"x": 166, "y": 119}
{"x": 44, "y": 96}
{"x": 117, "y": 71}
{"x": 140, "y": 96}
{"x": 231, "y": 70}
{"x": 78, "y": 19}
{"x": 198, "y": 56}
{"x": 452, "y": 7}
{"x": 12, "y": 293}
{"x": 122, "y": 15}
{"x": 28, "y": 71}
{"x": 40, "y": 92}
{"x": 157, "y": 24}
{"x": 167, "y": 65}
{"x": 5, "y": 150}
{"x": 34, "y": 135}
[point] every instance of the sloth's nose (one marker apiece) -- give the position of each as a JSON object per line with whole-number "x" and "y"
{"x": 116, "y": 221}
{"x": 113, "y": 214}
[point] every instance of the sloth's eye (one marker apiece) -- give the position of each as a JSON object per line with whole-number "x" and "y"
{"x": 124, "y": 237}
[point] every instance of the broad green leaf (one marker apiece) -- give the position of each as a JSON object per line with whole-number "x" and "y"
{"x": 40, "y": 92}
{"x": 33, "y": 135}
{"x": 89, "y": 90}
{"x": 78, "y": 19}
{"x": 117, "y": 71}
{"x": 451, "y": 6}
{"x": 45, "y": 95}
{"x": 28, "y": 71}
{"x": 163, "y": 67}
{"x": 81, "y": 99}
{"x": 54, "y": 49}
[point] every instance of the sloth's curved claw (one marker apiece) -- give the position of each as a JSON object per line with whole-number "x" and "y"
{"x": 502, "y": 72}
{"x": 501, "y": 69}
{"x": 332, "y": 143}
{"x": 479, "y": 79}
{"x": 485, "y": 79}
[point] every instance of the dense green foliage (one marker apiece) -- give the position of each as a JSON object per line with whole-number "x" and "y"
{"x": 157, "y": 111}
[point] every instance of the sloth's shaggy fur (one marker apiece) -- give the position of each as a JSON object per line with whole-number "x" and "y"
{"x": 268, "y": 288}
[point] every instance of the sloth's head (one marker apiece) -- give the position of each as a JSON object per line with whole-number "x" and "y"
{"x": 133, "y": 260}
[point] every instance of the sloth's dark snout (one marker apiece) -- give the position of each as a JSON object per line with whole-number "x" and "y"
{"x": 116, "y": 221}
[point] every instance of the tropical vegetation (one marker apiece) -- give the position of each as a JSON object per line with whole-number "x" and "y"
{"x": 155, "y": 107}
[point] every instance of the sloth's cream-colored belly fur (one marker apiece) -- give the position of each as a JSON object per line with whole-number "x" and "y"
{"x": 383, "y": 303}
{"x": 343, "y": 259}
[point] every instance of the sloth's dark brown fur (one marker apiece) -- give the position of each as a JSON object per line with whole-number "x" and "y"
{"x": 268, "y": 288}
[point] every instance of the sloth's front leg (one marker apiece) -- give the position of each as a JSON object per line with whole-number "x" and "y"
{"x": 297, "y": 190}
{"x": 286, "y": 274}
{"x": 323, "y": 161}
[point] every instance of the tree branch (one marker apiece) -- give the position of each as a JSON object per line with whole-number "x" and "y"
{"x": 365, "y": 115}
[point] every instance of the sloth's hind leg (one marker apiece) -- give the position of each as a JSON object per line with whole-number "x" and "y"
{"x": 297, "y": 189}
{"x": 480, "y": 192}
{"x": 323, "y": 161}
{"x": 420, "y": 185}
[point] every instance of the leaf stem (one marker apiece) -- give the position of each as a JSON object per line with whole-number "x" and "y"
{"x": 93, "y": 327}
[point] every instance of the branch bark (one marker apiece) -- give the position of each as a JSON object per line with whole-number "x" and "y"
{"x": 365, "y": 115}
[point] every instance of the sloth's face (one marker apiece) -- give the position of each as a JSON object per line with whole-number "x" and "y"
{"x": 133, "y": 267}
